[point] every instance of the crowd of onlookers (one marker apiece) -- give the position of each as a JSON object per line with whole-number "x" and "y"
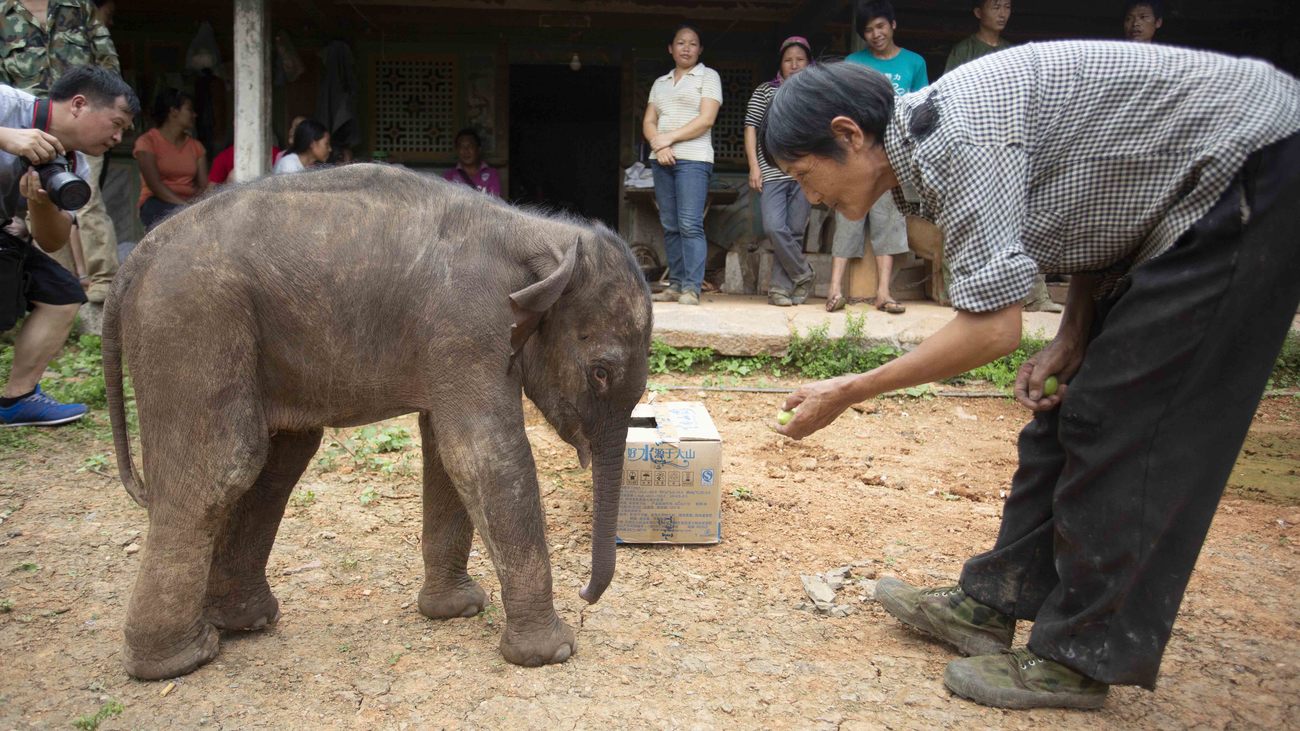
{"x": 683, "y": 107}
{"x": 173, "y": 167}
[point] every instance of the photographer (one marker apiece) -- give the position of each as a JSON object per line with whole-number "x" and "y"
{"x": 88, "y": 110}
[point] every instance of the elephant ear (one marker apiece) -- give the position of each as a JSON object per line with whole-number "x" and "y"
{"x": 531, "y": 303}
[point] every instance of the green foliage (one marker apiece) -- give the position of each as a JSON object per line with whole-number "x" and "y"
{"x": 1002, "y": 372}
{"x": 742, "y": 493}
{"x": 301, "y": 498}
{"x": 742, "y": 366}
{"x": 364, "y": 448}
{"x": 816, "y": 355}
{"x": 368, "y": 495}
{"x": 29, "y": 567}
{"x": 109, "y": 710}
{"x": 6, "y": 605}
{"x": 665, "y": 358}
{"x": 94, "y": 463}
{"x": 1286, "y": 372}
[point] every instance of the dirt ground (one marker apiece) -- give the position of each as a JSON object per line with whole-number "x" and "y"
{"x": 694, "y": 637}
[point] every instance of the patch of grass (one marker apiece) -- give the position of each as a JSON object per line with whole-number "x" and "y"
{"x": 742, "y": 493}
{"x": 89, "y": 722}
{"x": 6, "y": 605}
{"x": 29, "y": 567}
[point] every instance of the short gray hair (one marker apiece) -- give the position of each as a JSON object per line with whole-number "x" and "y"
{"x": 798, "y": 121}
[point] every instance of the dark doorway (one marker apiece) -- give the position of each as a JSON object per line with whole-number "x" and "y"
{"x": 564, "y": 132}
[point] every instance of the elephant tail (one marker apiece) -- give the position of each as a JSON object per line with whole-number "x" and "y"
{"x": 112, "y": 352}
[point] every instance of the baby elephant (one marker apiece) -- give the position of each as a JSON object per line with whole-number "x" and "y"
{"x": 258, "y": 316}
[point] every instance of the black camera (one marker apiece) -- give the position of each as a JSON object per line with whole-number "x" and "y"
{"x": 66, "y": 189}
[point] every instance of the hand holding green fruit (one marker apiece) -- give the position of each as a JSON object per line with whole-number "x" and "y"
{"x": 1050, "y": 385}
{"x": 784, "y": 417}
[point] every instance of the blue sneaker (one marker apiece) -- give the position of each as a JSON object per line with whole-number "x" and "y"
{"x": 40, "y": 410}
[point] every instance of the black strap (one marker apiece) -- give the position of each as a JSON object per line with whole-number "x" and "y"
{"x": 465, "y": 176}
{"x": 41, "y": 115}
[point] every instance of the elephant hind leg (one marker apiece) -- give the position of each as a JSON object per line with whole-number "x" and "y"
{"x": 448, "y": 590}
{"x": 238, "y": 595}
{"x": 166, "y": 631}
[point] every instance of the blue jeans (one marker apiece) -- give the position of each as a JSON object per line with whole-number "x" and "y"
{"x": 681, "y": 191}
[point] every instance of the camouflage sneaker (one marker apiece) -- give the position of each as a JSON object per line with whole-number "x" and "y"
{"x": 1020, "y": 679}
{"x": 949, "y": 615}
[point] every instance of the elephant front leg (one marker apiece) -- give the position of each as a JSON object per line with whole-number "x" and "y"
{"x": 238, "y": 595}
{"x": 496, "y": 479}
{"x": 448, "y": 590}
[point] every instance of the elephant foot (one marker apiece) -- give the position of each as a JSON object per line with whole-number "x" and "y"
{"x": 548, "y": 645}
{"x": 172, "y": 661}
{"x": 465, "y": 600}
{"x": 245, "y": 611}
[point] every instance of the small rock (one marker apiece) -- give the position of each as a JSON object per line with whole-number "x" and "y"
{"x": 965, "y": 415}
{"x": 133, "y": 548}
{"x": 841, "y": 610}
{"x": 808, "y": 464}
{"x": 328, "y": 535}
{"x": 817, "y": 590}
{"x": 868, "y": 588}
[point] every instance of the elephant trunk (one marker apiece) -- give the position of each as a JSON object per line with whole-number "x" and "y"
{"x": 606, "y": 480}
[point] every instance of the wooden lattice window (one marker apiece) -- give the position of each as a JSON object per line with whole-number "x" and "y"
{"x": 415, "y": 107}
{"x": 738, "y": 82}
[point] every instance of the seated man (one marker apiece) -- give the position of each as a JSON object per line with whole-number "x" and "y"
{"x": 470, "y": 169}
{"x": 87, "y": 111}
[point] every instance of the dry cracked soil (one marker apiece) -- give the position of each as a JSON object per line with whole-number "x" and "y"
{"x": 686, "y": 638}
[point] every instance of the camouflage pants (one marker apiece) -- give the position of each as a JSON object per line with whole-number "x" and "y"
{"x": 1116, "y": 488}
{"x": 98, "y": 239}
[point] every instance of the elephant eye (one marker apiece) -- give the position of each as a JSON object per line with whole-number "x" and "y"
{"x": 600, "y": 375}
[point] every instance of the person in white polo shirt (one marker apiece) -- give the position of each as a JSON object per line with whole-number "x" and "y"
{"x": 683, "y": 106}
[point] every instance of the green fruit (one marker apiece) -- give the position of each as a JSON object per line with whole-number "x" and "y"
{"x": 784, "y": 417}
{"x": 1050, "y": 385}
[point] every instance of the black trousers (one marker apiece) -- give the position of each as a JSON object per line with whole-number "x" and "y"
{"x": 1116, "y": 488}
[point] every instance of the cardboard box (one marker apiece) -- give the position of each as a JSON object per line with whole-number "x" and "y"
{"x": 672, "y": 476}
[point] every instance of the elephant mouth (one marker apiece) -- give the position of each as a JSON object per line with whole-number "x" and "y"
{"x": 575, "y": 435}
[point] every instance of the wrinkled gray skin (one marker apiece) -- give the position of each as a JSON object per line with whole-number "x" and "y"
{"x": 255, "y": 318}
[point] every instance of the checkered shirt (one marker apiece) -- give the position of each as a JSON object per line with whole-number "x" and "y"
{"x": 1077, "y": 156}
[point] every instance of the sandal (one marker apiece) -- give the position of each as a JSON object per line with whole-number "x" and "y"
{"x": 892, "y": 307}
{"x": 835, "y": 302}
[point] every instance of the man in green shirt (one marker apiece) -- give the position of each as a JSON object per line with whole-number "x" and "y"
{"x": 993, "y": 16}
{"x": 39, "y": 41}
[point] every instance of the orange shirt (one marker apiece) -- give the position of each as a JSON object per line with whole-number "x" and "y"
{"x": 177, "y": 166}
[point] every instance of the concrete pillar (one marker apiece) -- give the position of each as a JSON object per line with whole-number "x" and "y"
{"x": 252, "y": 90}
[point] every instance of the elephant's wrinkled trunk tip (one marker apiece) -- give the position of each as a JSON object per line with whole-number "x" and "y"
{"x": 593, "y": 591}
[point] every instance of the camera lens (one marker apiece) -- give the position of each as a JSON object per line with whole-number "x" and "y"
{"x": 66, "y": 189}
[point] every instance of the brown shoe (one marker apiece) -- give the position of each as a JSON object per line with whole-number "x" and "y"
{"x": 668, "y": 295}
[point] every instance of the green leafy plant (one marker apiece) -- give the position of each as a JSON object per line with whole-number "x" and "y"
{"x": 301, "y": 498}
{"x": 1286, "y": 371}
{"x": 815, "y": 354}
{"x": 6, "y": 605}
{"x": 94, "y": 463}
{"x": 665, "y": 358}
{"x": 1002, "y": 372}
{"x": 742, "y": 493}
{"x": 91, "y": 722}
{"x": 367, "y": 449}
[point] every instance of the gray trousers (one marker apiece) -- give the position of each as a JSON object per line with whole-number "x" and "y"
{"x": 785, "y": 215}
{"x": 1117, "y": 487}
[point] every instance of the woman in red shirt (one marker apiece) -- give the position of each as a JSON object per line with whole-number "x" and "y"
{"x": 173, "y": 165}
